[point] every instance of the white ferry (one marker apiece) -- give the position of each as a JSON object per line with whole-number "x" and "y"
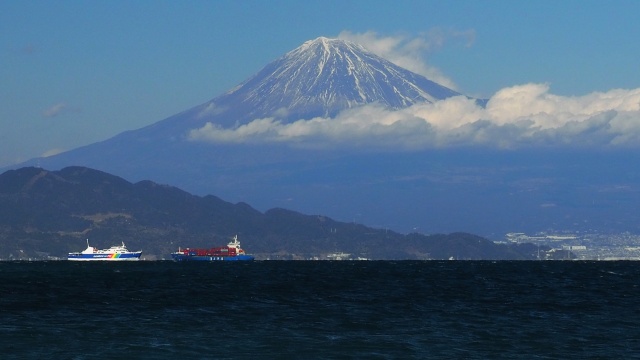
{"x": 114, "y": 253}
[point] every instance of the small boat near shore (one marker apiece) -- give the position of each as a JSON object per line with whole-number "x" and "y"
{"x": 114, "y": 253}
{"x": 231, "y": 252}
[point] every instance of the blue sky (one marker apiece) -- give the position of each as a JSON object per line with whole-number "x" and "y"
{"x": 78, "y": 72}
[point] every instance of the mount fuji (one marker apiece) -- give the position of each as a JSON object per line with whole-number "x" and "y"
{"x": 487, "y": 192}
{"x": 320, "y": 78}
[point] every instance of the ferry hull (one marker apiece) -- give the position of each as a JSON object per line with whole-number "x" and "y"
{"x": 105, "y": 257}
{"x": 183, "y": 257}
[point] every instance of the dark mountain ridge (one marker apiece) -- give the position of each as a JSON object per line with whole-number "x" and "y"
{"x": 46, "y": 214}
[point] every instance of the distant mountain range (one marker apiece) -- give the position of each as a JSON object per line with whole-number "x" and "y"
{"x": 486, "y": 192}
{"x": 46, "y": 214}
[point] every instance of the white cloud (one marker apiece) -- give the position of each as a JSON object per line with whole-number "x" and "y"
{"x": 519, "y": 116}
{"x": 52, "y": 152}
{"x": 54, "y": 110}
{"x": 210, "y": 110}
{"x": 409, "y": 52}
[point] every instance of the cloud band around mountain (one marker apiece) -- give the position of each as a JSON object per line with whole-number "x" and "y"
{"x": 515, "y": 117}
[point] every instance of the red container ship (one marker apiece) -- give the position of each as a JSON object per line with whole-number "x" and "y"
{"x": 231, "y": 252}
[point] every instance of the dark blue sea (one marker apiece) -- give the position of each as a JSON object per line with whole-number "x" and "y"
{"x": 320, "y": 310}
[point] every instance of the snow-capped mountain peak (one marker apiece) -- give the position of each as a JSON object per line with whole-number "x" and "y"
{"x": 324, "y": 76}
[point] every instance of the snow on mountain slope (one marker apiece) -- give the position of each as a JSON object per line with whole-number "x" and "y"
{"x": 318, "y": 79}
{"x": 332, "y": 75}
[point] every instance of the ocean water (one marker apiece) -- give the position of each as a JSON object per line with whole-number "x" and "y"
{"x": 320, "y": 310}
